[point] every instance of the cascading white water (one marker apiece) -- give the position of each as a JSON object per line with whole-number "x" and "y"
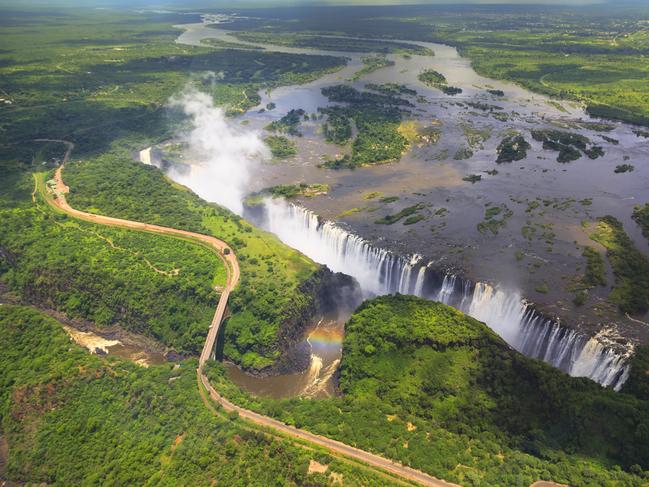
{"x": 379, "y": 271}
{"x": 145, "y": 156}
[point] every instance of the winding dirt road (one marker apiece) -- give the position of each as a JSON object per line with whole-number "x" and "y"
{"x": 56, "y": 197}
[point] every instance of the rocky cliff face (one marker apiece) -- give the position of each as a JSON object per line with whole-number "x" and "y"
{"x": 323, "y": 293}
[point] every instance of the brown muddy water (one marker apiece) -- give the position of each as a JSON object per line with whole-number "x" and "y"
{"x": 119, "y": 348}
{"x": 325, "y": 345}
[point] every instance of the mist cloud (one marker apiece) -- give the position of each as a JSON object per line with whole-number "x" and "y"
{"x": 223, "y": 154}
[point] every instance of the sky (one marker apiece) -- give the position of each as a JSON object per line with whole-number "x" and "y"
{"x": 425, "y": 2}
{"x": 285, "y": 3}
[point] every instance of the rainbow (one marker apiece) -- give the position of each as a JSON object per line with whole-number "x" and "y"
{"x": 326, "y": 338}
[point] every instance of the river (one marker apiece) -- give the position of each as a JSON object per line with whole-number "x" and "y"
{"x": 430, "y": 174}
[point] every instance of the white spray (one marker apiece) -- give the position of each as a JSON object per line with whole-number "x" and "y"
{"x": 225, "y": 154}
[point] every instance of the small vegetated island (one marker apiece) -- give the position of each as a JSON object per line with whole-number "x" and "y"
{"x": 371, "y": 64}
{"x": 430, "y": 77}
{"x": 288, "y": 124}
{"x": 512, "y": 148}
{"x": 570, "y": 146}
{"x": 289, "y": 191}
{"x": 280, "y": 147}
{"x": 410, "y": 213}
{"x": 377, "y": 117}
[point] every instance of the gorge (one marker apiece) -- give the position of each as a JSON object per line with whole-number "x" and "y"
{"x": 599, "y": 354}
{"x": 380, "y": 271}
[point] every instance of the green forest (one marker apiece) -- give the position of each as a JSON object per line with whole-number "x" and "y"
{"x": 418, "y": 382}
{"x": 150, "y": 284}
{"x": 108, "y": 113}
{"x": 137, "y": 425}
{"x": 433, "y": 388}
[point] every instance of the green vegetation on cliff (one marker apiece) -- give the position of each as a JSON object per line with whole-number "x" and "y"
{"x": 71, "y": 418}
{"x": 426, "y": 385}
{"x": 638, "y": 382}
{"x": 267, "y": 303}
{"x": 151, "y": 284}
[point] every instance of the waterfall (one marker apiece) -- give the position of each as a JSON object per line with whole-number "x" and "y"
{"x": 419, "y": 283}
{"x": 377, "y": 270}
{"x": 145, "y": 156}
{"x": 380, "y": 271}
